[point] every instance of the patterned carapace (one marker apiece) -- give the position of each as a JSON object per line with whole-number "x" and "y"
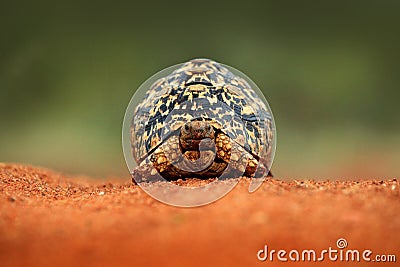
{"x": 201, "y": 90}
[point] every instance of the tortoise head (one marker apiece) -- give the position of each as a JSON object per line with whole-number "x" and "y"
{"x": 193, "y": 132}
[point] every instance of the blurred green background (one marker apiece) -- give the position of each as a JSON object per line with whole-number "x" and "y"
{"x": 330, "y": 71}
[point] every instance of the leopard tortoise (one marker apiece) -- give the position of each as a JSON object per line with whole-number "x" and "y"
{"x": 201, "y": 121}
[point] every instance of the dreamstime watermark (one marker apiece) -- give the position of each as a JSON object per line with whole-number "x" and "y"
{"x": 330, "y": 254}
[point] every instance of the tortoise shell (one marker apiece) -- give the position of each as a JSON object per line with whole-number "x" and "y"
{"x": 202, "y": 89}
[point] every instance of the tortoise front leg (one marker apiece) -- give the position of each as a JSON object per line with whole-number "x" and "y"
{"x": 159, "y": 164}
{"x": 241, "y": 162}
{"x": 167, "y": 162}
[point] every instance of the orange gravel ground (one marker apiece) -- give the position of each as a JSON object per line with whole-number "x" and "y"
{"x": 47, "y": 219}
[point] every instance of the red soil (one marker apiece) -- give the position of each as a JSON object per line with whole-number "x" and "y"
{"x": 47, "y": 219}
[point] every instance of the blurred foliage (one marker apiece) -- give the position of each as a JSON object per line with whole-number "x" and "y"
{"x": 329, "y": 69}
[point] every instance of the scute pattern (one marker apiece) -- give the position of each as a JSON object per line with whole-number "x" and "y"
{"x": 202, "y": 89}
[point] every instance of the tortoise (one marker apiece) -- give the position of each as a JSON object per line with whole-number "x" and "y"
{"x": 201, "y": 121}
